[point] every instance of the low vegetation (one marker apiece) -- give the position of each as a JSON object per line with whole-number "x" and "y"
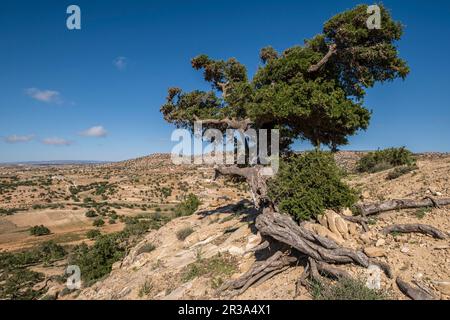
{"x": 182, "y": 234}
{"x": 218, "y": 267}
{"x": 188, "y": 207}
{"x": 346, "y": 289}
{"x": 400, "y": 171}
{"x": 39, "y": 231}
{"x": 308, "y": 184}
{"x": 17, "y": 282}
{"x": 96, "y": 261}
{"x": 385, "y": 159}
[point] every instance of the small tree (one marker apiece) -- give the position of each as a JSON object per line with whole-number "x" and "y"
{"x": 98, "y": 223}
{"x": 39, "y": 231}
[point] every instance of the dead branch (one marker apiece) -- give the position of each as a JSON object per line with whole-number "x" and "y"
{"x": 413, "y": 292}
{"x": 397, "y": 204}
{"x": 415, "y": 228}
{"x": 332, "y": 49}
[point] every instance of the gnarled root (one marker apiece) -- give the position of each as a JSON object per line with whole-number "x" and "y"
{"x": 285, "y": 230}
{"x": 260, "y": 271}
{"x": 415, "y": 293}
{"x": 389, "y": 205}
{"x": 418, "y": 228}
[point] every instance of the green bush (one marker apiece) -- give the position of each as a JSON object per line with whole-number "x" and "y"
{"x": 188, "y": 207}
{"x": 96, "y": 261}
{"x": 148, "y": 247}
{"x": 92, "y": 234}
{"x": 400, "y": 171}
{"x": 308, "y": 184}
{"x": 184, "y": 233}
{"x": 346, "y": 289}
{"x": 385, "y": 159}
{"x": 39, "y": 231}
{"x": 91, "y": 214}
{"x": 98, "y": 223}
{"x": 17, "y": 282}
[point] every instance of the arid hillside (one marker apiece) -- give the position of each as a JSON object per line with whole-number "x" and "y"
{"x": 191, "y": 257}
{"x": 222, "y": 238}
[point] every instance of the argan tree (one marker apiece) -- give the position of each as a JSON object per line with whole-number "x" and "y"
{"x": 312, "y": 92}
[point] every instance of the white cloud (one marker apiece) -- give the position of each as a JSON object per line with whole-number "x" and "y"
{"x": 120, "y": 63}
{"x": 48, "y": 96}
{"x": 16, "y": 139}
{"x": 57, "y": 142}
{"x": 96, "y": 131}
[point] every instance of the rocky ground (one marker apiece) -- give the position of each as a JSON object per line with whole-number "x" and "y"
{"x": 222, "y": 232}
{"x": 227, "y": 231}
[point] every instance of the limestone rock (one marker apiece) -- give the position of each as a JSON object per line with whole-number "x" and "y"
{"x": 374, "y": 252}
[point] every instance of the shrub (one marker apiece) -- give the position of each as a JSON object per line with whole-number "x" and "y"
{"x": 148, "y": 247}
{"x": 92, "y": 234}
{"x": 346, "y": 289}
{"x": 400, "y": 171}
{"x": 217, "y": 266}
{"x": 39, "y": 231}
{"x": 308, "y": 184}
{"x": 96, "y": 261}
{"x": 184, "y": 233}
{"x": 188, "y": 207}
{"x": 91, "y": 214}
{"x": 98, "y": 223}
{"x": 385, "y": 159}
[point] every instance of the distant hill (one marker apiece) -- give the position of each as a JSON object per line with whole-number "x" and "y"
{"x": 52, "y": 163}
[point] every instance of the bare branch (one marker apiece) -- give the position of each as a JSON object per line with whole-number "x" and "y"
{"x": 331, "y": 51}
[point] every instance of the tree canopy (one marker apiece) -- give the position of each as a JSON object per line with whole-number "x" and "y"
{"x": 313, "y": 92}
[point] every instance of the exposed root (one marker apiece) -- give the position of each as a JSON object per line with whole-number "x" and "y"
{"x": 396, "y": 204}
{"x": 260, "y": 271}
{"x": 415, "y": 293}
{"x": 417, "y": 228}
{"x": 283, "y": 229}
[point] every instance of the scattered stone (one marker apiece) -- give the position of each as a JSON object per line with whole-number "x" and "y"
{"x": 347, "y": 212}
{"x": 380, "y": 242}
{"x": 404, "y": 250}
{"x": 374, "y": 252}
{"x": 365, "y": 237}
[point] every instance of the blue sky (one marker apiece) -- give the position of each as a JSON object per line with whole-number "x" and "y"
{"x": 95, "y": 93}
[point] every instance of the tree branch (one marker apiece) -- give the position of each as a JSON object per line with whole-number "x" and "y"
{"x": 331, "y": 51}
{"x": 232, "y": 123}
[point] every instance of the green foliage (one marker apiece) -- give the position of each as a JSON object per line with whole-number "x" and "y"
{"x": 17, "y": 281}
{"x": 146, "y": 248}
{"x": 385, "y": 159}
{"x": 422, "y": 212}
{"x": 308, "y": 184}
{"x": 324, "y": 105}
{"x": 346, "y": 289}
{"x": 93, "y": 234}
{"x": 188, "y": 207}
{"x": 91, "y": 214}
{"x": 96, "y": 261}
{"x": 39, "y": 231}
{"x": 184, "y": 233}
{"x": 98, "y": 223}
{"x": 218, "y": 266}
